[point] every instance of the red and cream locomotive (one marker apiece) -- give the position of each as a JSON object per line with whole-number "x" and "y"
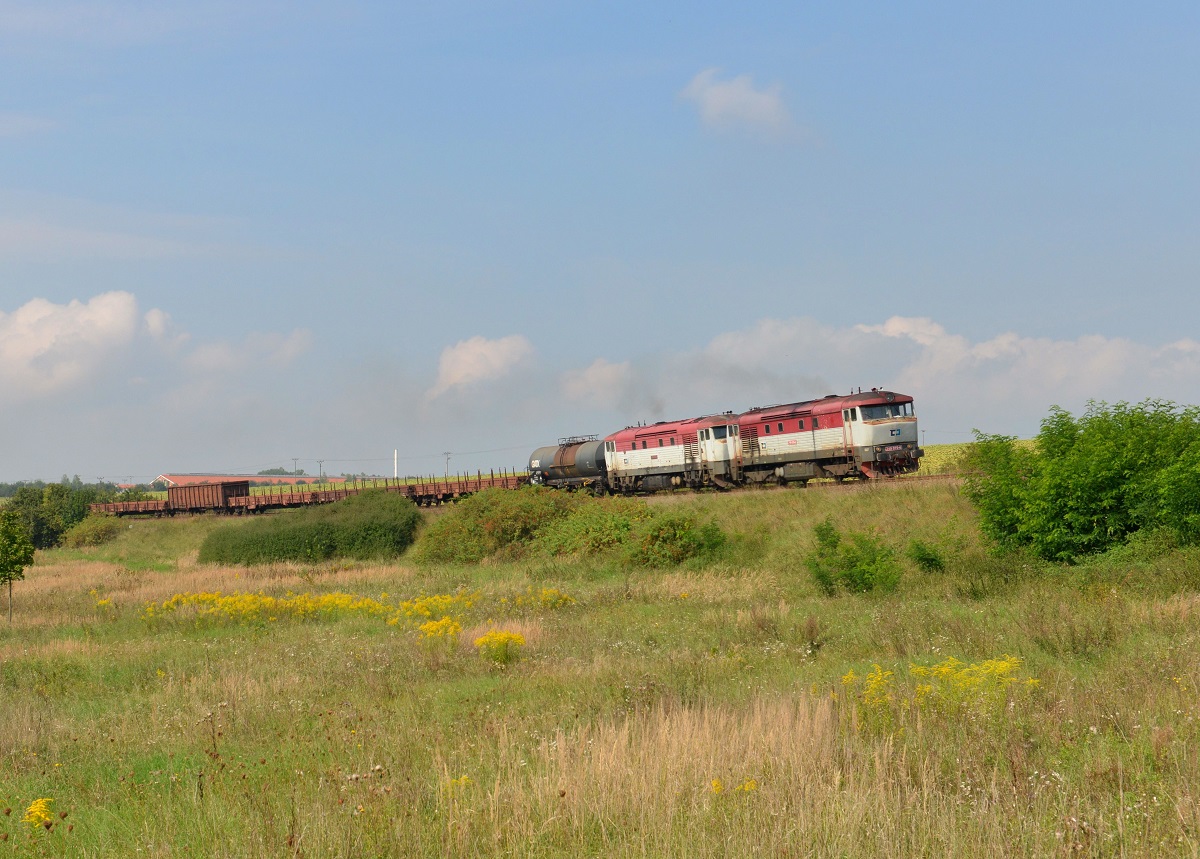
{"x": 861, "y": 435}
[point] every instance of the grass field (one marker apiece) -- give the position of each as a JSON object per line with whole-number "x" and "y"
{"x": 995, "y": 708}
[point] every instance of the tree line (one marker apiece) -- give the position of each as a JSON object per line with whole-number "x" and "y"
{"x": 47, "y": 511}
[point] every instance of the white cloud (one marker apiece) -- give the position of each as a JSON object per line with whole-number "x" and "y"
{"x": 47, "y": 347}
{"x": 736, "y": 102}
{"x": 1010, "y": 366}
{"x": 478, "y": 359}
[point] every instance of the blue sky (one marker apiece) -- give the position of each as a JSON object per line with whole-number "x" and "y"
{"x": 236, "y": 233}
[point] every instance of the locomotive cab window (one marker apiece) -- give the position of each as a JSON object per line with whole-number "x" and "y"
{"x": 816, "y": 422}
{"x": 891, "y": 410}
{"x": 767, "y": 429}
{"x": 781, "y": 427}
{"x": 801, "y": 423}
{"x": 718, "y": 432}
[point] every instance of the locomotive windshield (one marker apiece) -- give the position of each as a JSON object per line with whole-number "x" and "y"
{"x": 719, "y": 432}
{"x": 890, "y": 410}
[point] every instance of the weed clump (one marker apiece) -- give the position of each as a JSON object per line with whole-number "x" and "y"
{"x": 927, "y": 558}
{"x": 368, "y": 526}
{"x": 859, "y": 562}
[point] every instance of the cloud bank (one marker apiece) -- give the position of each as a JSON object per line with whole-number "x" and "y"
{"x": 1004, "y": 383}
{"x": 48, "y": 350}
{"x": 261, "y": 399}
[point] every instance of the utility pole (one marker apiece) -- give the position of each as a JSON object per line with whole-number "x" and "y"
{"x": 295, "y": 465}
{"x": 447, "y": 454}
{"x": 396, "y": 463}
{"x": 321, "y": 471}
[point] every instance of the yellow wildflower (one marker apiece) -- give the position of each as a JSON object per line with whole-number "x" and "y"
{"x": 39, "y": 812}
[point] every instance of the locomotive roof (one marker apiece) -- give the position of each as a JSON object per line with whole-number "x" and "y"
{"x": 666, "y": 427}
{"x": 828, "y": 403}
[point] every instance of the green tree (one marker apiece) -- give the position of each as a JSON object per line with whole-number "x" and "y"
{"x": 40, "y": 524}
{"x": 16, "y": 552}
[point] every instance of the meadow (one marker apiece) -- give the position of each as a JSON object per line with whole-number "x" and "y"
{"x": 987, "y": 706}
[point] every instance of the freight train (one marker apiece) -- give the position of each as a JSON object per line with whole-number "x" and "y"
{"x": 863, "y": 435}
{"x": 860, "y": 435}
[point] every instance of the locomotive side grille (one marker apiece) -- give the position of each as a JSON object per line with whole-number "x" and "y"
{"x": 750, "y": 446}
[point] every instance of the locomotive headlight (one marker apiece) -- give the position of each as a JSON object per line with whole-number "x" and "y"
{"x": 879, "y": 448}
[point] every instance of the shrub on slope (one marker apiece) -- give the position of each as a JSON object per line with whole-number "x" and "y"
{"x": 545, "y": 522}
{"x": 491, "y": 521}
{"x": 367, "y": 526}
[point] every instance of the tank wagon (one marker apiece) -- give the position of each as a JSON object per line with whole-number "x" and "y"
{"x": 575, "y": 463}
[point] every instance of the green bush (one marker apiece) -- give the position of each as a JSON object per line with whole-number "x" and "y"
{"x": 858, "y": 562}
{"x": 367, "y": 526}
{"x": 1092, "y": 482}
{"x": 92, "y": 531}
{"x": 667, "y": 539}
{"x": 492, "y": 521}
{"x": 595, "y": 526}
